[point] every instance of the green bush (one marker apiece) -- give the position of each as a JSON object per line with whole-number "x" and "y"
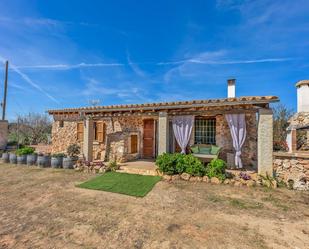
{"x": 166, "y": 163}
{"x": 24, "y": 151}
{"x": 177, "y": 163}
{"x": 216, "y": 168}
{"x": 58, "y": 155}
{"x": 194, "y": 166}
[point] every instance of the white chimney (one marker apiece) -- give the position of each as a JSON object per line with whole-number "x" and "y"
{"x": 303, "y": 96}
{"x": 231, "y": 88}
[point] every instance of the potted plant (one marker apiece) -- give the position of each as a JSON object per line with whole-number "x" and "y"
{"x": 31, "y": 159}
{"x": 5, "y": 157}
{"x": 56, "y": 160}
{"x": 73, "y": 151}
{"x": 12, "y": 157}
{"x": 22, "y": 154}
{"x": 43, "y": 160}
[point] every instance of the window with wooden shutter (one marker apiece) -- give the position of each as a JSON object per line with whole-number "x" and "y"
{"x": 80, "y": 131}
{"x": 134, "y": 143}
{"x": 99, "y": 131}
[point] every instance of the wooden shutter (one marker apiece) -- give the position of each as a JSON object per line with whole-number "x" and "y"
{"x": 80, "y": 131}
{"x": 133, "y": 143}
{"x": 99, "y": 132}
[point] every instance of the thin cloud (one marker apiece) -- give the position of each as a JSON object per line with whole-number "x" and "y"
{"x": 30, "y": 81}
{"x": 135, "y": 67}
{"x": 69, "y": 66}
{"x": 214, "y": 62}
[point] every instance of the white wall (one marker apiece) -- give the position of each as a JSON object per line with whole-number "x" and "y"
{"x": 303, "y": 98}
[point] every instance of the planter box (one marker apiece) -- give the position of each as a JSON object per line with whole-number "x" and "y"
{"x": 56, "y": 162}
{"x": 13, "y": 158}
{"x": 43, "y": 161}
{"x": 22, "y": 159}
{"x": 31, "y": 159}
{"x": 5, "y": 157}
{"x": 68, "y": 163}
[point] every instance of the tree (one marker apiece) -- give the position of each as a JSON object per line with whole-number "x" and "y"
{"x": 32, "y": 128}
{"x": 281, "y": 122}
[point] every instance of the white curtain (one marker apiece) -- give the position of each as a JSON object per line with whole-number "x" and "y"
{"x": 182, "y": 127}
{"x": 237, "y": 124}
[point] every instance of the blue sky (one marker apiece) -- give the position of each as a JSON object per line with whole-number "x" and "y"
{"x": 67, "y": 53}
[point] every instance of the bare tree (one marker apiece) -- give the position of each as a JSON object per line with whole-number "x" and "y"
{"x": 281, "y": 117}
{"x": 32, "y": 128}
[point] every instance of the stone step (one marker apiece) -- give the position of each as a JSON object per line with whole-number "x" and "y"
{"x": 131, "y": 170}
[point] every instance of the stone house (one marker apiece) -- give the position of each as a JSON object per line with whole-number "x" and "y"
{"x": 135, "y": 131}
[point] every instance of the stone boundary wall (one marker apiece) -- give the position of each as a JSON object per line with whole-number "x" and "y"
{"x": 292, "y": 169}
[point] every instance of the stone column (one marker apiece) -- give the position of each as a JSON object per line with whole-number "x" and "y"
{"x": 163, "y": 133}
{"x": 293, "y": 140}
{"x": 265, "y": 142}
{"x": 4, "y": 131}
{"x": 88, "y": 139}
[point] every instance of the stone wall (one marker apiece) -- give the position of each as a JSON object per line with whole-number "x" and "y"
{"x": 64, "y": 136}
{"x": 293, "y": 169}
{"x": 116, "y": 145}
{"x": 224, "y": 139}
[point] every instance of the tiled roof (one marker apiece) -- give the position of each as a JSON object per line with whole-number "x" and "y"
{"x": 174, "y": 104}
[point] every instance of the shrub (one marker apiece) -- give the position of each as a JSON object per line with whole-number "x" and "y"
{"x": 24, "y": 151}
{"x": 194, "y": 166}
{"x": 73, "y": 150}
{"x": 280, "y": 146}
{"x": 216, "y": 168}
{"x": 112, "y": 166}
{"x": 58, "y": 155}
{"x": 178, "y": 163}
{"x": 166, "y": 163}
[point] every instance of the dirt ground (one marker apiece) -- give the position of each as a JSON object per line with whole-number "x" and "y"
{"x": 42, "y": 208}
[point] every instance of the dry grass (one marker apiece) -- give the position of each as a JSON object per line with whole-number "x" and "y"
{"x": 41, "y": 208}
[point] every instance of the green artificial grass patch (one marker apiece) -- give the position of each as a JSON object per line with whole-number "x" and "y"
{"x": 122, "y": 183}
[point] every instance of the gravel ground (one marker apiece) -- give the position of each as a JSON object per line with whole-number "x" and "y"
{"x": 42, "y": 208}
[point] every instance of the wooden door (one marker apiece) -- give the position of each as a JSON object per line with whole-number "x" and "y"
{"x": 148, "y": 138}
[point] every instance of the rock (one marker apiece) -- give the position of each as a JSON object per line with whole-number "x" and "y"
{"x": 199, "y": 179}
{"x": 205, "y": 179}
{"x": 300, "y": 185}
{"x": 215, "y": 180}
{"x": 250, "y": 183}
{"x": 102, "y": 170}
{"x": 193, "y": 179}
{"x": 232, "y": 181}
{"x": 227, "y": 181}
{"x": 185, "y": 176}
{"x": 175, "y": 177}
{"x": 167, "y": 177}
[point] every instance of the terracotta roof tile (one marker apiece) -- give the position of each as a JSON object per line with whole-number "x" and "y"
{"x": 228, "y": 101}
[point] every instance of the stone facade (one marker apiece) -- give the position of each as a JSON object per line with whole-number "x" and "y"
{"x": 116, "y": 145}
{"x": 62, "y": 137}
{"x": 119, "y": 129}
{"x": 292, "y": 169}
{"x": 224, "y": 139}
